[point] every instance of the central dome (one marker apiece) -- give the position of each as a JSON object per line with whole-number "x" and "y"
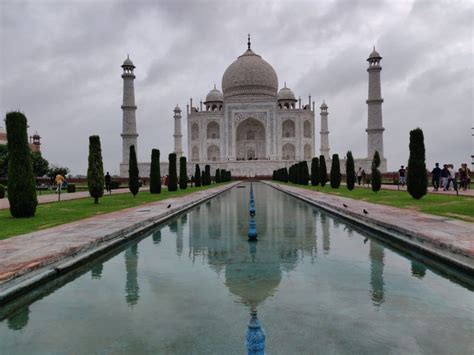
{"x": 249, "y": 75}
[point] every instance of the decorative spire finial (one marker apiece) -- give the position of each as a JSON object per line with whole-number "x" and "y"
{"x": 285, "y": 84}
{"x": 214, "y": 86}
{"x": 374, "y": 48}
{"x": 248, "y": 43}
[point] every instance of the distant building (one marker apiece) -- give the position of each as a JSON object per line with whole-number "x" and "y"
{"x": 35, "y": 140}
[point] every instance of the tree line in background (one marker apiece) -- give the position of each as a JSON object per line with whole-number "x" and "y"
{"x": 417, "y": 178}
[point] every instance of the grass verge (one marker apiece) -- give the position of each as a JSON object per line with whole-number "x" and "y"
{"x": 53, "y": 214}
{"x": 458, "y": 207}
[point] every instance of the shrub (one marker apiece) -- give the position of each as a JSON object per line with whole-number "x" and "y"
{"x": 197, "y": 176}
{"x": 155, "y": 173}
{"x": 183, "y": 173}
{"x": 323, "y": 173}
{"x": 2, "y": 191}
{"x": 21, "y": 184}
{"x": 95, "y": 170}
{"x": 133, "y": 178}
{"x": 71, "y": 187}
{"x": 376, "y": 176}
{"x": 315, "y": 171}
{"x": 417, "y": 179}
{"x": 335, "y": 172}
{"x": 218, "y": 176}
{"x": 173, "y": 175}
{"x": 350, "y": 171}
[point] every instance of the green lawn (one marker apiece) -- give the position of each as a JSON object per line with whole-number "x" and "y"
{"x": 459, "y": 207}
{"x": 52, "y": 214}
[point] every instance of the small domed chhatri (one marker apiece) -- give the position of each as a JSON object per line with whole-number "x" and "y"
{"x": 214, "y": 96}
{"x": 286, "y": 94}
{"x": 374, "y": 54}
{"x": 128, "y": 62}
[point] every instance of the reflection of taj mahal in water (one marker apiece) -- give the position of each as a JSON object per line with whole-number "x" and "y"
{"x": 251, "y": 128}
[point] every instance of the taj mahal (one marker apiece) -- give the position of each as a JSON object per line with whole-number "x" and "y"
{"x": 251, "y": 127}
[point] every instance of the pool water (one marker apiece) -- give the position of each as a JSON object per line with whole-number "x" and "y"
{"x": 318, "y": 284}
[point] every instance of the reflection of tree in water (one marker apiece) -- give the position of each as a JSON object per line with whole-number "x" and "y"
{"x": 156, "y": 236}
{"x": 418, "y": 269}
{"x": 19, "y": 319}
{"x": 325, "y": 228}
{"x": 376, "y": 252}
{"x": 131, "y": 265}
{"x": 96, "y": 271}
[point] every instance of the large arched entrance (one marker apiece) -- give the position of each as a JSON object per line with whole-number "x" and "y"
{"x": 250, "y": 140}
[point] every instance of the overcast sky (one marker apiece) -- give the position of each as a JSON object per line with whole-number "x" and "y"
{"x": 60, "y": 63}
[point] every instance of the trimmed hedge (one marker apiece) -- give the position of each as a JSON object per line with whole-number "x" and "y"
{"x": 197, "y": 176}
{"x": 335, "y": 172}
{"x": 71, "y": 188}
{"x": 155, "y": 173}
{"x": 183, "y": 173}
{"x": 173, "y": 175}
{"x": 417, "y": 179}
{"x": 315, "y": 171}
{"x": 95, "y": 170}
{"x": 350, "y": 171}
{"x": 376, "y": 176}
{"x": 323, "y": 173}
{"x": 133, "y": 178}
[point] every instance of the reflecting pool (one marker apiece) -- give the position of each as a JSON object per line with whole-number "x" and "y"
{"x": 317, "y": 283}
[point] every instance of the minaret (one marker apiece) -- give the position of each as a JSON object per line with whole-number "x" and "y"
{"x": 374, "y": 119}
{"x": 178, "y": 147}
{"x": 129, "y": 128}
{"x": 324, "y": 131}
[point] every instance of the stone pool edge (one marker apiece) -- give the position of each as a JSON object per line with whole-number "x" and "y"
{"x": 444, "y": 252}
{"x": 30, "y": 279}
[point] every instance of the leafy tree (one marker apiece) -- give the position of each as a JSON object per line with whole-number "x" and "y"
{"x": 21, "y": 184}
{"x": 417, "y": 179}
{"x": 335, "y": 172}
{"x": 2, "y": 191}
{"x": 95, "y": 171}
{"x": 133, "y": 178}
{"x": 40, "y": 165}
{"x": 173, "y": 175}
{"x": 376, "y": 179}
{"x": 315, "y": 171}
{"x": 323, "y": 173}
{"x": 183, "y": 173}
{"x": 197, "y": 176}
{"x": 155, "y": 173}
{"x": 218, "y": 176}
{"x": 350, "y": 171}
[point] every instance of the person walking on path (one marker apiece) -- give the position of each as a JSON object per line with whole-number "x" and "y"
{"x": 362, "y": 174}
{"x": 401, "y": 176}
{"x": 108, "y": 180}
{"x": 59, "y": 179}
{"x": 444, "y": 176}
{"x": 464, "y": 176}
{"x": 451, "y": 178}
{"x": 359, "y": 175}
{"x": 435, "y": 176}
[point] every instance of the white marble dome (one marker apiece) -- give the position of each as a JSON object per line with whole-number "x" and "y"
{"x": 249, "y": 75}
{"x": 214, "y": 96}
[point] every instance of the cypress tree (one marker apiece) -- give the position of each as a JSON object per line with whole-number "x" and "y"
{"x": 207, "y": 173}
{"x": 95, "y": 171}
{"x": 323, "y": 173}
{"x": 21, "y": 183}
{"x": 304, "y": 172}
{"x": 335, "y": 172}
{"x": 285, "y": 174}
{"x": 218, "y": 176}
{"x": 376, "y": 178}
{"x": 197, "y": 176}
{"x": 417, "y": 179}
{"x": 350, "y": 171}
{"x": 183, "y": 173}
{"x": 133, "y": 178}
{"x": 172, "y": 176}
{"x": 315, "y": 171}
{"x": 155, "y": 173}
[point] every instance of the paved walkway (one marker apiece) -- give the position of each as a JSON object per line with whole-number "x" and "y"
{"x": 468, "y": 193}
{"x": 26, "y": 253}
{"x": 65, "y": 196}
{"x": 449, "y": 237}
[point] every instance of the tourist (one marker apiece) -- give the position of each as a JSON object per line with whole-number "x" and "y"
{"x": 108, "y": 180}
{"x": 444, "y": 176}
{"x": 435, "y": 176}
{"x": 401, "y": 176}
{"x": 359, "y": 175}
{"x": 464, "y": 176}
{"x": 59, "y": 179}
{"x": 451, "y": 178}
